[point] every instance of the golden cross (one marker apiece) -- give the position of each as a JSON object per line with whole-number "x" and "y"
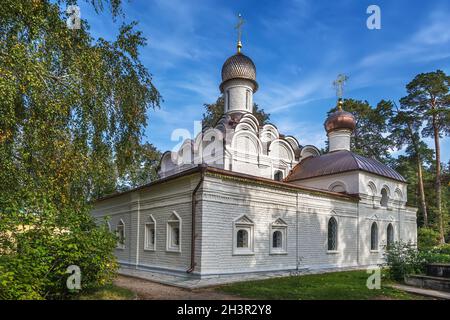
{"x": 339, "y": 85}
{"x": 239, "y": 29}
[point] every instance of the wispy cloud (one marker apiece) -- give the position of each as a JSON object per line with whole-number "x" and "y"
{"x": 422, "y": 46}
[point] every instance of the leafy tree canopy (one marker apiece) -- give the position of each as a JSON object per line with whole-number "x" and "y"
{"x": 370, "y": 137}
{"x": 72, "y": 114}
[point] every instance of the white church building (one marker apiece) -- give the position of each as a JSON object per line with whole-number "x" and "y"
{"x": 243, "y": 198}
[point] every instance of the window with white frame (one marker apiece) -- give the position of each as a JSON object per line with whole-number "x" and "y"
{"x": 174, "y": 233}
{"x": 150, "y": 233}
{"x": 120, "y": 232}
{"x": 278, "y": 237}
{"x": 374, "y": 237}
{"x": 243, "y": 236}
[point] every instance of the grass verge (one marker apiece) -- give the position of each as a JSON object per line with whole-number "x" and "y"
{"x": 108, "y": 292}
{"x": 348, "y": 285}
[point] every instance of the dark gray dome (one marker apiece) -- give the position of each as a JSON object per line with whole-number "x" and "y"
{"x": 239, "y": 66}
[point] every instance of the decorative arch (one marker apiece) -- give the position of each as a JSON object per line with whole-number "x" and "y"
{"x": 309, "y": 151}
{"x": 269, "y": 133}
{"x": 289, "y": 152}
{"x": 168, "y": 161}
{"x": 371, "y": 188}
{"x": 250, "y": 120}
{"x": 251, "y": 137}
{"x": 398, "y": 194}
{"x": 338, "y": 186}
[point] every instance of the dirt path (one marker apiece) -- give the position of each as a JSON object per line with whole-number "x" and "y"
{"x": 148, "y": 290}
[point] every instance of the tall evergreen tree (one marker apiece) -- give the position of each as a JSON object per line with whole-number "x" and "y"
{"x": 370, "y": 137}
{"x": 405, "y": 128}
{"x": 429, "y": 98}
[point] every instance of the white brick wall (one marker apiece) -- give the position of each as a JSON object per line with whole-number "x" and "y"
{"x": 222, "y": 200}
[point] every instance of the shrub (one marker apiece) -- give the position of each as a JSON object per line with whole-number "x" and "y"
{"x": 404, "y": 258}
{"x": 427, "y": 238}
{"x": 38, "y": 256}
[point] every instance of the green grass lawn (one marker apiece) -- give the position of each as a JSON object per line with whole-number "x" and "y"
{"x": 349, "y": 285}
{"x": 108, "y": 292}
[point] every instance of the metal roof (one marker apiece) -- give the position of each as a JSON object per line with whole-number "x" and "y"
{"x": 337, "y": 162}
{"x": 239, "y": 66}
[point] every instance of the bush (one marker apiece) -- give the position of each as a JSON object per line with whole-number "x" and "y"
{"x": 427, "y": 238}
{"x": 38, "y": 256}
{"x": 404, "y": 258}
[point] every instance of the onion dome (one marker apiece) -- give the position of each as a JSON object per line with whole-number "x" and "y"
{"x": 340, "y": 120}
{"x": 239, "y": 66}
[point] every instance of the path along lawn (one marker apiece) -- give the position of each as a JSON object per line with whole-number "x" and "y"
{"x": 349, "y": 285}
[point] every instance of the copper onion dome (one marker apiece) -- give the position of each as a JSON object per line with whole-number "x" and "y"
{"x": 239, "y": 66}
{"x": 340, "y": 120}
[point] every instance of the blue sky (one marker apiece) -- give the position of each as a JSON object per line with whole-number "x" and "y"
{"x": 298, "y": 47}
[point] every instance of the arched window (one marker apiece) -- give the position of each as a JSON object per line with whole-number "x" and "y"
{"x": 278, "y": 176}
{"x": 374, "y": 236}
{"x": 242, "y": 238}
{"x": 120, "y": 232}
{"x": 384, "y": 198}
{"x": 390, "y": 235}
{"x": 173, "y": 241}
{"x": 332, "y": 234}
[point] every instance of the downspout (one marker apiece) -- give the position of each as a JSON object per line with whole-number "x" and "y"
{"x": 357, "y": 233}
{"x": 194, "y": 203}
{"x": 138, "y": 229}
{"x": 297, "y": 236}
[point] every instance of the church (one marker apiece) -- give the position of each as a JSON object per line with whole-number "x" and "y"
{"x": 244, "y": 198}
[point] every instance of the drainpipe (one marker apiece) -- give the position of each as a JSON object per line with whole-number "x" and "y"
{"x": 194, "y": 202}
{"x": 297, "y": 235}
{"x": 357, "y": 233}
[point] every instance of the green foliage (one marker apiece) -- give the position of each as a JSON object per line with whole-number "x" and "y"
{"x": 107, "y": 292}
{"x": 369, "y": 137}
{"x": 404, "y": 258}
{"x": 427, "y": 238}
{"x": 214, "y": 112}
{"x": 72, "y": 114}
